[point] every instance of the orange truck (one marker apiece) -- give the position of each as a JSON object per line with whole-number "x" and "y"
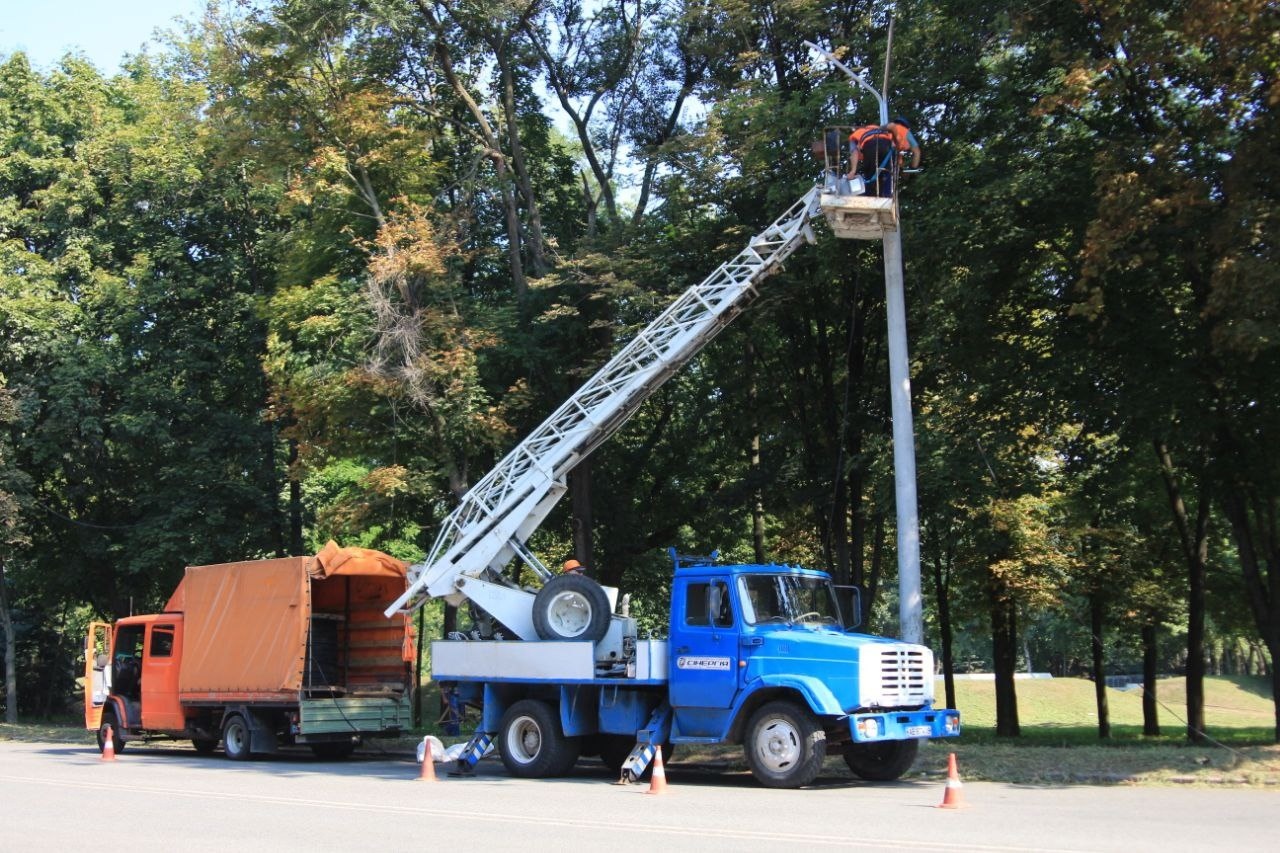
{"x": 259, "y": 654}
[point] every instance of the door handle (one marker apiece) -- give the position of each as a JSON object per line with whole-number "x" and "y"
{"x": 752, "y": 641}
{"x": 683, "y": 650}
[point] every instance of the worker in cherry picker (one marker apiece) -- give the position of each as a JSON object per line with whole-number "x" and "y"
{"x": 873, "y": 150}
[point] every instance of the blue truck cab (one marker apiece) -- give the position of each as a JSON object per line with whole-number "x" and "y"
{"x": 757, "y": 655}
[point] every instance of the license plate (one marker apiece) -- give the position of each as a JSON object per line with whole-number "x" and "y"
{"x": 919, "y": 731}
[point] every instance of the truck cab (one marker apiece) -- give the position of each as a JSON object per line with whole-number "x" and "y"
{"x": 760, "y": 654}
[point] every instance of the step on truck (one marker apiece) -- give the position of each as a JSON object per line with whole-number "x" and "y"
{"x": 257, "y": 655}
{"x": 757, "y": 655}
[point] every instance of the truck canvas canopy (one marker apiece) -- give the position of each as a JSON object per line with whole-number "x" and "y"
{"x": 248, "y": 623}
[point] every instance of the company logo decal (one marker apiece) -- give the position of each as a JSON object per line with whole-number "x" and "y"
{"x": 692, "y": 662}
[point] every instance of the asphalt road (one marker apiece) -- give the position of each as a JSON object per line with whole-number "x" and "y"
{"x": 61, "y": 797}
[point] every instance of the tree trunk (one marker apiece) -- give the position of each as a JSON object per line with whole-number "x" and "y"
{"x": 754, "y": 475}
{"x": 582, "y": 521}
{"x": 1261, "y": 576}
{"x": 295, "y": 503}
{"x": 942, "y": 596}
{"x": 10, "y": 654}
{"x": 1150, "y": 709}
{"x": 535, "y": 243}
{"x": 873, "y": 577}
{"x": 417, "y": 669}
{"x": 1099, "y": 671}
{"x": 1004, "y": 653}
{"x": 1195, "y": 549}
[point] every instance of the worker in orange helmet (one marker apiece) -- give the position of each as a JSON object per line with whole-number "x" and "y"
{"x": 872, "y": 151}
{"x": 573, "y": 566}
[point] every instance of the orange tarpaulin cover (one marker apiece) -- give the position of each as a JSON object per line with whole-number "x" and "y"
{"x": 246, "y": 623}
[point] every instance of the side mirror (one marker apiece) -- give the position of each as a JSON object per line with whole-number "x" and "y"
{"x": 853, "y": 599}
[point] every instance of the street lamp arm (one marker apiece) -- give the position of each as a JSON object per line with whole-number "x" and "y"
{"x": 831, "y": 58}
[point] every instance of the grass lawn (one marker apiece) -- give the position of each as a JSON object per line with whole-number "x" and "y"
{"x": 1059, "y": 743}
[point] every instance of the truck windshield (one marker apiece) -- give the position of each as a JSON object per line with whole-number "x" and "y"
{"x": 788, "y": 598}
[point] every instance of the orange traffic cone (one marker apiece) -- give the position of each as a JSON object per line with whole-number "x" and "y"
{"x": 658, "y": 781}
{"x": 953, "y": 796}
{"x": 109, "y": 745}
{"x": 428, "y": 762}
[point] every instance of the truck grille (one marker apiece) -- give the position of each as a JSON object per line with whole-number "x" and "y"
{"x": 896, "y": 675}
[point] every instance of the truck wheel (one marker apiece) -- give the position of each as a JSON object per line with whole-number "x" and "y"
{"x": 334, "y": 750}
{"x": 205, "y": 745}
{"x": 532, "y": 744}
{"x": 117, "y": 739}
{"x": 785, "y": 747}
{"x": 236, "y": 738}
{"x": 882, "y": 761}
{"x": 571, "y": 607}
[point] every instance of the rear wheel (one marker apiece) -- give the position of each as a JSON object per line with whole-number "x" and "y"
{"x": 882, "y": 761}
{"x": 205, "y": 745}
{"x": 571, "y": 607}
{"x": 532, "y": 744}
{"x": 109, "y": 722}
{"x": 236, "y": 739}
{"x": 333, "y": 750}
{"x": 785, "y": 747}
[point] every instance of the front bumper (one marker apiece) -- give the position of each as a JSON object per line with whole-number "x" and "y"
{"x": 903, "y": 725}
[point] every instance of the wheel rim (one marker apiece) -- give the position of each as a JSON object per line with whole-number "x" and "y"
{"x": 569, "y": 613}
{"x": 778, "y": 745}
{"x": 235, "y": 738}
{"x": 524, "y": 739}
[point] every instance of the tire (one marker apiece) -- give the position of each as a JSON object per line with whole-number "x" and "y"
{"x": 571, "y": 607}
{"x": 333, "y": 750}
{"x": 236, "y": 738}
{"x": 785, "y": 747}
{"x": 205, "y": 745}
{"x": 117, "y": 739}
{"x": 881, "y": 761}
{"x": 532, "y": 744}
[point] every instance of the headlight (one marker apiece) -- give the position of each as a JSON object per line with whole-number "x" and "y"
{"x": 869, "y": 727}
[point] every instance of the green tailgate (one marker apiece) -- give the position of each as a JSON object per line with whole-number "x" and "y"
{"x": 363, "y": 714}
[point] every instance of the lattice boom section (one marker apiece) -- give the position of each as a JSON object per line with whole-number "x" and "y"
{"x": 601, "y": 405}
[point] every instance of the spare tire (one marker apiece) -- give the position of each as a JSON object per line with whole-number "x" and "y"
{"x": 571, "y": 607}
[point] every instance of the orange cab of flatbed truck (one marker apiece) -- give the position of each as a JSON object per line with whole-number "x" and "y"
{"x": 139, "y": 663}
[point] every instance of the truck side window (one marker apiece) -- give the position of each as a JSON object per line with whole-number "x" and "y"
{"x": 161, "y": 641}
{"x": 695, "y": 604}
{"x": 707, "y": 604}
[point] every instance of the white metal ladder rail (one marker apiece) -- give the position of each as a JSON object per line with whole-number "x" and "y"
{"x": 493, "y": 520}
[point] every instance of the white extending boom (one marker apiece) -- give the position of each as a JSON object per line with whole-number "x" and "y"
{"x": 491, "y": 524}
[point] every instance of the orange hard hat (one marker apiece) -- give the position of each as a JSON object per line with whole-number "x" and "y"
{"x": 572, "y": 565}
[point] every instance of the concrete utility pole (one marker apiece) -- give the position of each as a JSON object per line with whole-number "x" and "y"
{"x": 910, "y": 601}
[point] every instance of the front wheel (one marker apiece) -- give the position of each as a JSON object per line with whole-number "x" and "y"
{"x": 117, "y": 740}
{"x": 785, "y": 747}
{"x": 532, "y": 744}
{"x": 881, "y": 761}
{"x": 236, "y": 738}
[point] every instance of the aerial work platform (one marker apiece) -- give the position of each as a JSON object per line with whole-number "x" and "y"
{"x": 859, "y": 217}
{"x": 849, "y": 210}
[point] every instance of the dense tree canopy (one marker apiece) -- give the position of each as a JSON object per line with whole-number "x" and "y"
{"x": 308, "y": 273}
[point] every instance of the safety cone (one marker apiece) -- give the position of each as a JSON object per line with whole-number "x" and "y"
{"x": 658, "y": 780}
{"x": 428, "y": 762}
{"x": 109, "y": 745}
{"x": 953, "y": 796}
